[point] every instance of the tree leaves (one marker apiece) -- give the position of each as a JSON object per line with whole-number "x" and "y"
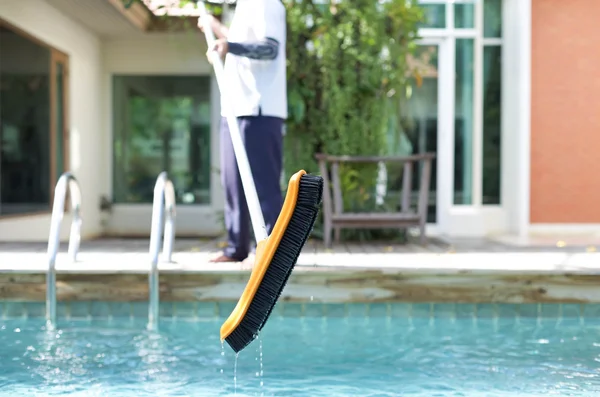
{"x": 341, "y": 84}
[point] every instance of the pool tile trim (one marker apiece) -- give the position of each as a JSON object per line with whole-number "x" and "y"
{"x": 216, "y": 310}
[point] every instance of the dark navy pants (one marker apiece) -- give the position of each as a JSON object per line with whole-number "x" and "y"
{"x": 262, "y": 136}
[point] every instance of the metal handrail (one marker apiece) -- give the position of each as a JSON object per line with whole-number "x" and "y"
{"x": 164, "y": 202}
{"x": 67, "y": 181}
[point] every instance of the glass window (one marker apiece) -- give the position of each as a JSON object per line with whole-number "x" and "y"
{"x": 464, "y": 15}
{"x": 162, "y": 123}
{"x": 492, "y": 18}
{"x": 25, "y": 138}
{"x": 418, "y": 126}
{"x": 435, "y": 15}
{"x": 463, "y": 123}
{"x": 492, "y": 113}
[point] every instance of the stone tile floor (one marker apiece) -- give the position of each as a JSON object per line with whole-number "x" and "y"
{"x": 439, "y": 255}
{"x": 434, "y": 245}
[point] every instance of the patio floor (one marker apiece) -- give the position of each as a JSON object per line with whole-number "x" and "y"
{"x": 192, "y": 255}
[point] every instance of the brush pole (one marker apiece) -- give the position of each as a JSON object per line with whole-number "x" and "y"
{"x": 256, "y": 216}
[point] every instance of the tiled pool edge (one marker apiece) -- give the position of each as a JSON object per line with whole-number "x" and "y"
{"x": 97, "y": 310}
{"x": 324, "y": 293}
{"x": 368, "y": 286}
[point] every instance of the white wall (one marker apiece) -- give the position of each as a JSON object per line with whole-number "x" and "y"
{"x": 159, "y": 54}
{"x": 41, "y": 20}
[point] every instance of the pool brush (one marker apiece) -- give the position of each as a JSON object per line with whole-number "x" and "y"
{"x": 277, "y": 253}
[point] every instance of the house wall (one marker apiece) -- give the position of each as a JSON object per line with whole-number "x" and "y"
{"x": 159, "y": 54}
{"x": 565, "y": 119}
{"x": 41, "y": 20}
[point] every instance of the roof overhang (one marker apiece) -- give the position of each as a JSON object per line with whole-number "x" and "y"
{"x": 177, "y": 15}
{"x": 107, "y": 18}
{"x": 119, "y": 18}
{"x": 179, "y": 8}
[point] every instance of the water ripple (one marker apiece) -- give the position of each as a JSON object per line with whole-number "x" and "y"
{"x": 303, "y": 357}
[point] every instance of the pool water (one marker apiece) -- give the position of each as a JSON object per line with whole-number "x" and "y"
{"x": 311, "y": 356}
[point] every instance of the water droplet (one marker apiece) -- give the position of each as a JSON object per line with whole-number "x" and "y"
{"x": 221, "y": 370}
{"x": 17, "y": 329}
{"x": 257, "y": 374}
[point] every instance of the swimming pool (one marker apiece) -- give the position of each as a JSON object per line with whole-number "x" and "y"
{"x": 321, "y": 350}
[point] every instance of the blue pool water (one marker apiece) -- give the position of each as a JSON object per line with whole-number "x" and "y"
{"x": 310, "y": 356}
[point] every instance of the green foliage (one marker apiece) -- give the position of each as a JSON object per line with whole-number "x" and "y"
{"x": 210, "y": 7}
{"x": 347, "y": 72}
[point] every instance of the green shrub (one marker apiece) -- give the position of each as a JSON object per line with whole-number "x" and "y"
{"x": 346, "y": 74}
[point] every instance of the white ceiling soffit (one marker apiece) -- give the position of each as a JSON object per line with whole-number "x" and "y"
{"x": 107, "y": 18}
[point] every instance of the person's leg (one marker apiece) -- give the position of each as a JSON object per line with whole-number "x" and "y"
{"x": 236, "y": 211}
{"x": 264, "y": 143}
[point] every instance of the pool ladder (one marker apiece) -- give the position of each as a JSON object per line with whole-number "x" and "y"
{"x": 163, "y": 212}
{"x": 67, "y": 181}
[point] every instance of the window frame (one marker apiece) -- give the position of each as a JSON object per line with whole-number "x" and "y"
{"x": 119, "y": 133}
{"x": 451, "y": 32}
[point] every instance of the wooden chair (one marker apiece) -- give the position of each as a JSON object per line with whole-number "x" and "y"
{"x": 334, "y": 216}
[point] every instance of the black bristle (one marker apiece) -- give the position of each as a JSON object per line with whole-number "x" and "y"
{"x": 278, "y": 272}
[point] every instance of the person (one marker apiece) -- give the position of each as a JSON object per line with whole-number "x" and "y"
{"x": 253, "y": 48}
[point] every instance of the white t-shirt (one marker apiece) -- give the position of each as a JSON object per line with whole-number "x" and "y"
{"x": 256, "y": 83}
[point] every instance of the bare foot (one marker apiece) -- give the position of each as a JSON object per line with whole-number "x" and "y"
{"x": 248, "y": 263}
{"x": 222, "y": 258}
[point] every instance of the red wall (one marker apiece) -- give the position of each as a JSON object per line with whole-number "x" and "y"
{"x": 565, "y": 111}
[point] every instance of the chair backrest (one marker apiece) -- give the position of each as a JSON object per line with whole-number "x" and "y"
{"x": 329, "y": 169}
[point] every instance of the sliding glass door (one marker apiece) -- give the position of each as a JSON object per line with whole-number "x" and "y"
{"x": 33, "y": 121}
